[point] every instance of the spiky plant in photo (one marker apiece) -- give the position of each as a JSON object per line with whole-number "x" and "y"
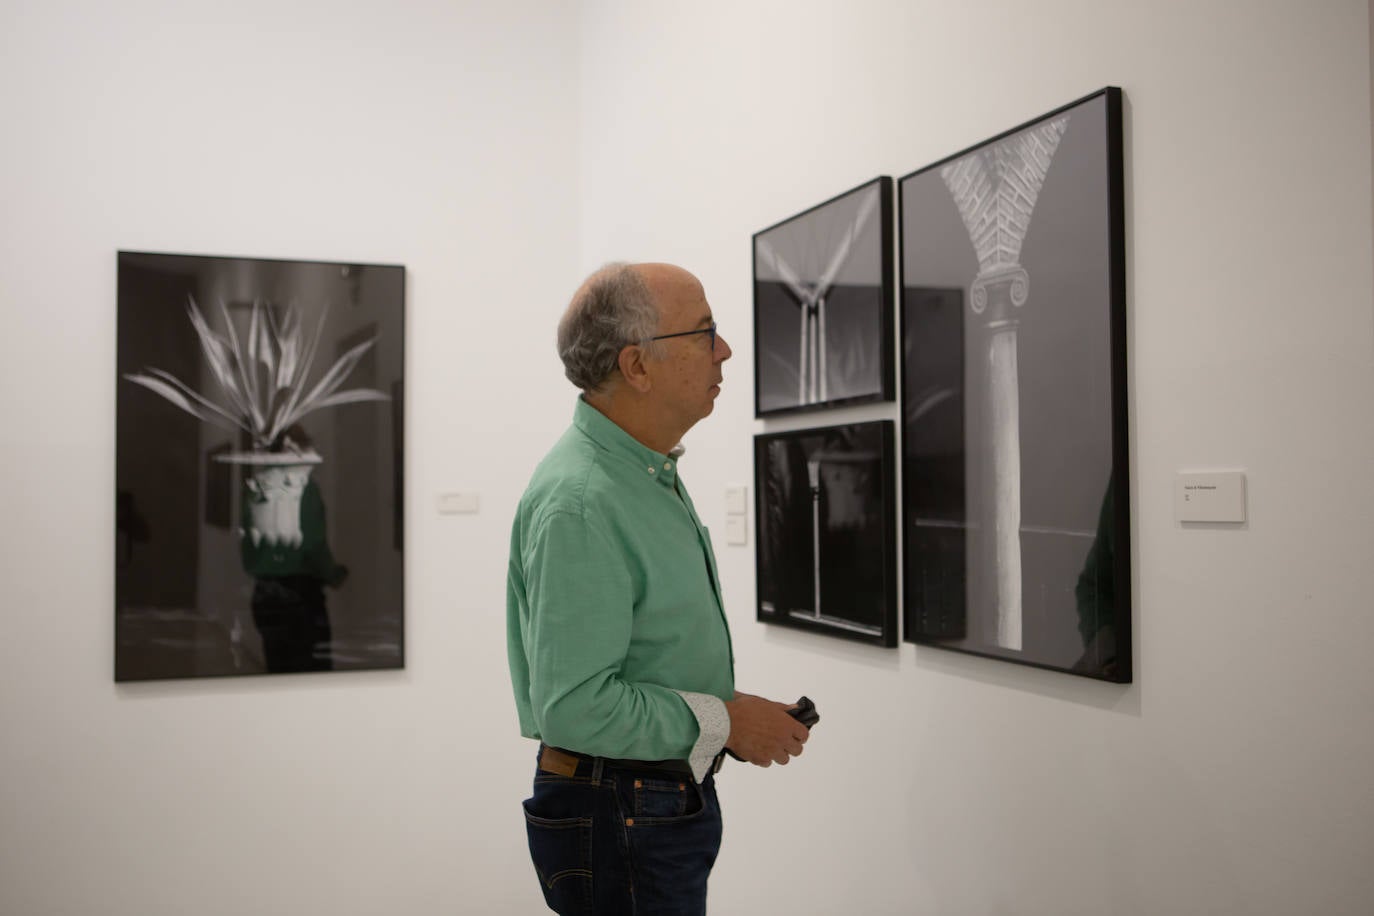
{"x": 262, "y": 376}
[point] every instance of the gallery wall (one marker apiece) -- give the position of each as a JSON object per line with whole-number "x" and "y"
{"x": 500, "y": 152}
{"x": 1234, "y": 774}
{"x": 440, "y": 136}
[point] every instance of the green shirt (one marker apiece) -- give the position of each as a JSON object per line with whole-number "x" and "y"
{"x": 612, "y": 600}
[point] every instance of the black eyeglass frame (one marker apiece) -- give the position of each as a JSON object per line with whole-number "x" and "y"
{"x": 711, "y": 330}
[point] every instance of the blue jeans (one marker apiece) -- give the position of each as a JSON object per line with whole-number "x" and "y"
{"x": 614, "y": 841}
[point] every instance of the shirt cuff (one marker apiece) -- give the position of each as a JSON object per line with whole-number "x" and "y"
{"x": 713, "y": 722}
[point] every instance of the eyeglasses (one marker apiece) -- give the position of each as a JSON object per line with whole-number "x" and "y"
{"x": 711, "y": 330}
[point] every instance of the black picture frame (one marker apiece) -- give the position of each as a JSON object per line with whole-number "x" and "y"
{"x": 826, "y": 511}
{"x": 824, "y": 296}
{"x": 247, "y": 549}
{"x": 1015, "y": 475}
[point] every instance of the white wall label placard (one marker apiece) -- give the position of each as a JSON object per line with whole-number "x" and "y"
{"x": 457, "y": 503}
{"x": 1216, "y": 496}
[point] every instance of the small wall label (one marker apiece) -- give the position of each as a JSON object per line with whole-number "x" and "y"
{"x": 1217, "y": 496}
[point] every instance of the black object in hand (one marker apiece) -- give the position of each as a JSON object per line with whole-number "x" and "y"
{"x": 805, "y": 713}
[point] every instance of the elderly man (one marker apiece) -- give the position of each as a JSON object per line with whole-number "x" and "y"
{"x": 619, "y": 650}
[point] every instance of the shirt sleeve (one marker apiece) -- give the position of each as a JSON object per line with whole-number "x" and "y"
{"x": 580, "y": 602}
{"x": 713, "y": 722}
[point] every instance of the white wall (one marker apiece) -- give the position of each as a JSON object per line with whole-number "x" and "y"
{"x": 500, "y": 152}
{"x": 436, "y": 135}
{"x": 1237, "y": 774}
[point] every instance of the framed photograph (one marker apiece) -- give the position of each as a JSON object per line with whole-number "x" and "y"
{"x": 827, "y": 530}
{"x": 1014, "y": 455}
{"x": 823, "y": 304}
{"x": 257, "y": 466}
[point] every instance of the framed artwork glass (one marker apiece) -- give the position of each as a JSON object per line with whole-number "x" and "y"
{"x": 827, "y": 526}
{"x": 1015, "y": 512}
{"x": 257, "y": 466}
{"x": 823, "y": 304}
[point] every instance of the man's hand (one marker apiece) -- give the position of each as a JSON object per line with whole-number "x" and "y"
{"x": 762, "y": 732}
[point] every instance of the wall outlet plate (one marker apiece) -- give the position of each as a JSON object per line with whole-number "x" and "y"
{"x": 736, "y": 500}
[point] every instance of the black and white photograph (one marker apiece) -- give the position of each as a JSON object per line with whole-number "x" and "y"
{"x": 1014, "y": 426}
{"x": 827, "y": 530}
{"x": 258, "y": 466}
{"x": 823, "y": 304}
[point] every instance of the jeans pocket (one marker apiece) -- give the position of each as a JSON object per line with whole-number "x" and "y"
{"x": 673, "y": 856}
{"x": 663, "y": 798}
{"x": 561, "y": 849}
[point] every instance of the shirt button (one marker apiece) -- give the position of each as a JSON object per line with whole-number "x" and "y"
{"x": 667, "y": 465}
{"x": 651, "y": 470}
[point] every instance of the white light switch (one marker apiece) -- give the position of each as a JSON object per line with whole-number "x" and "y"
{"x": 736, "y": 500}
{"x": 457, "y": 503}
{"x": 735, "y": 531}
{"x": 1218, "y": 496}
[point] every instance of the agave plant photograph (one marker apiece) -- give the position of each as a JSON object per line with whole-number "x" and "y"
{"x": 823, "y": 304}
{"x": 258, "y": 466}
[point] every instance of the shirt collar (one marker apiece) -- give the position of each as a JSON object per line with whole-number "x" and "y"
{"x": 602, "y": 430}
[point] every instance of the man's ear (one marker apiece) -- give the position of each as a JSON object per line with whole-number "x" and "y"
{"x": 633, "y": 369}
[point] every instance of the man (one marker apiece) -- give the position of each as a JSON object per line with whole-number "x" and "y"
{"x": 619, "y": 650}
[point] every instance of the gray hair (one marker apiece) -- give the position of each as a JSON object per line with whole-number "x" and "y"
{"x": 614, "y": 309}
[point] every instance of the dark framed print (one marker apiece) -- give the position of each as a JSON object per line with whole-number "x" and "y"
{"x": 1016, "y": 532}
{"x": 256, "y": 466}
{"x": 823, "y": 304}
{"x": 827, "y": 529}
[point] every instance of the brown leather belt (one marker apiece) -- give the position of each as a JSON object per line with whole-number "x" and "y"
{"x": 568, "y": 763}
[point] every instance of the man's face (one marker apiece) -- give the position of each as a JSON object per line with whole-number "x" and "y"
{"x": 687, "y": 374}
